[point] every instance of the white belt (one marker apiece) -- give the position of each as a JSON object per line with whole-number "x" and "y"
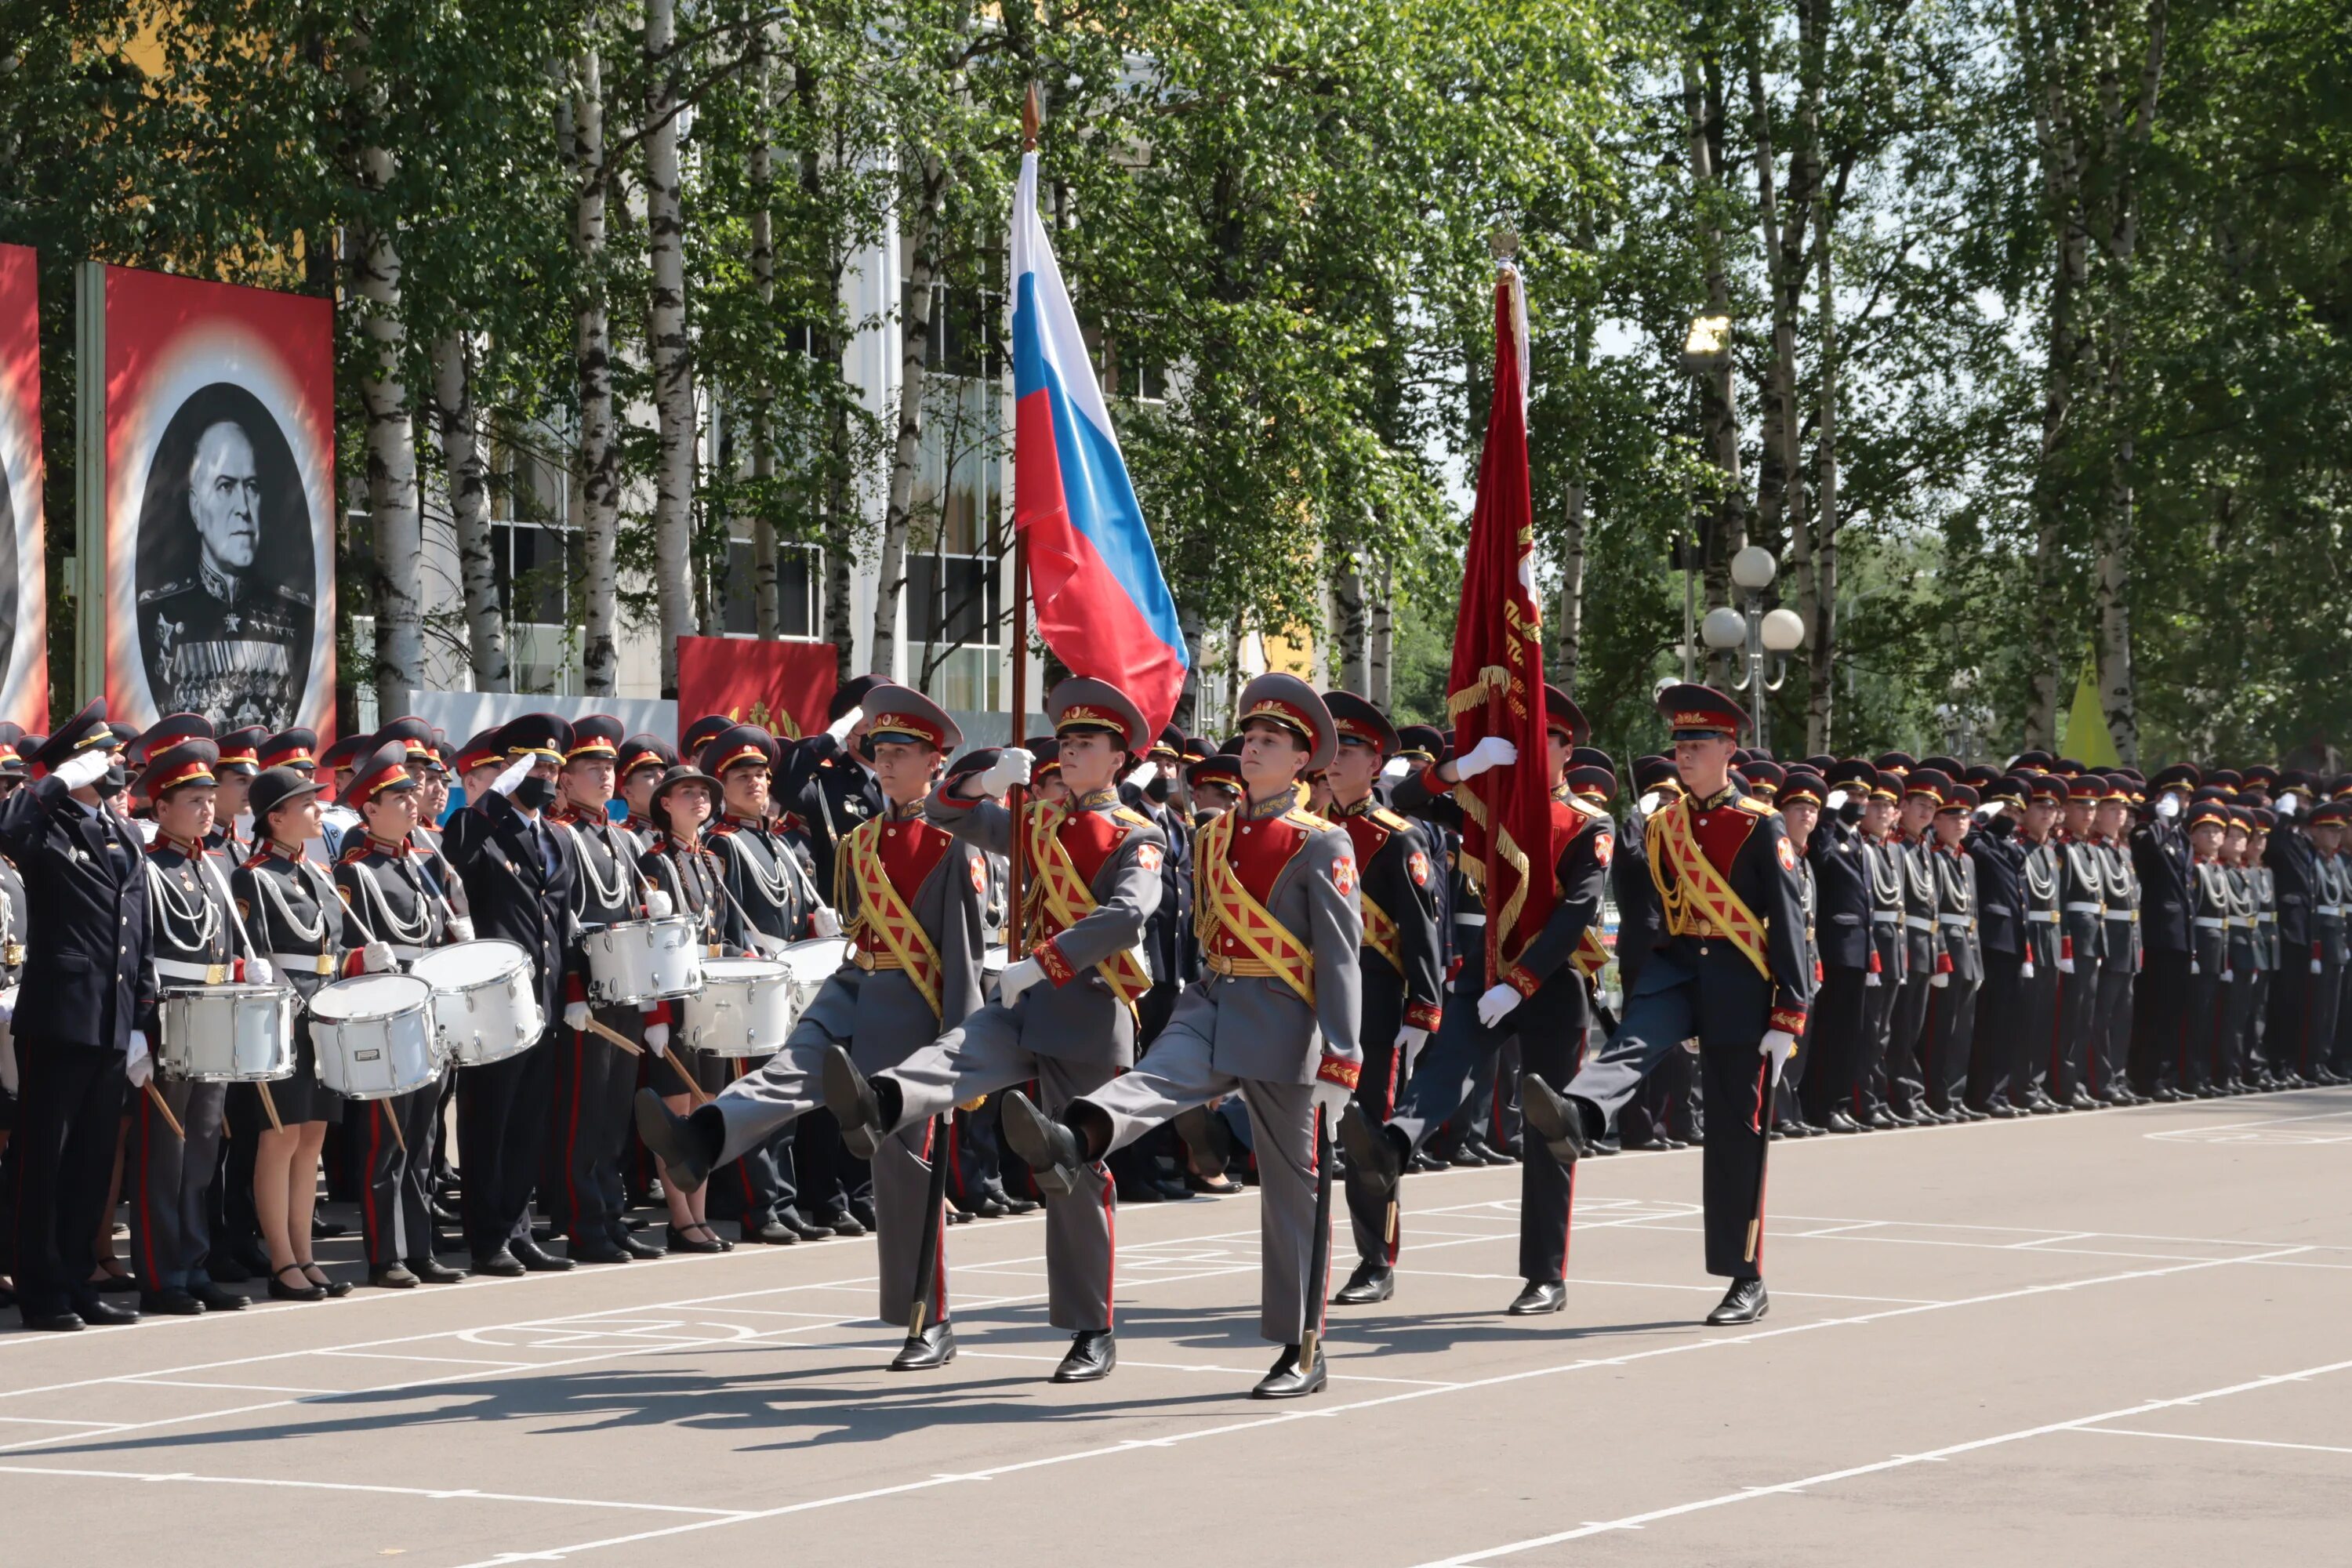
{"x": 304, "y": 962}
{"x": 1918, "y": 922}
{"x": 2335, "y": 910}
{"x": 2123, "y": 914}
{"x": 202, "y": 974}
{"x": 1885, "y": 917}
{"x": 2043, "y": 917}
{"x": 2085, "y": 907}
{"x": 2267, "y": 916}
{"x": 2211, "y": 923}
{"x": 1954, "y": 920}
{"x": 1477, "y": 919}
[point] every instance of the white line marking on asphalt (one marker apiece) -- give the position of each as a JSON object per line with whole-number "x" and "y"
{"x": 2200, "y": 1437}
{"x": 439, "y": 1494}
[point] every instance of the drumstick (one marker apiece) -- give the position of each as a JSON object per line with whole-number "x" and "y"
{"x": 394, "y": 1122}
{"x": 615, "y": 1036}
{"x": 270, "y": 1106}
{"x": 163, "y": 1108}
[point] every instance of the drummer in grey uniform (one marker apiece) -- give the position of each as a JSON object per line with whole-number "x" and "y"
{"x": 1066, "y": 1014}
{"x": 196, "y": 945}
{"x": 911, "y": 896}
{"x": 382, "y": 882}
{"x": 1277, "y": 1019}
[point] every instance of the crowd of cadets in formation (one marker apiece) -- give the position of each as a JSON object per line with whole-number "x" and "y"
{"x": 1983, "y": 941}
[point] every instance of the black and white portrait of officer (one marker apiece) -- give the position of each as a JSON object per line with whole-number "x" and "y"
{"x": 225, "y": 566}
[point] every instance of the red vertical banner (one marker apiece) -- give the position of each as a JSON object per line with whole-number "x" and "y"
{"x": 23, "y": 566}
{"x": 1496, "y": 686}
{"x": 217, "y": 571}
{"x": 782, "y": 686}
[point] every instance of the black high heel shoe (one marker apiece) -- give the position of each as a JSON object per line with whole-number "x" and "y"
{"x": 335, "y": 1289}
{"x": 281, "y": 1291}
{"x": 684, "y": 1239}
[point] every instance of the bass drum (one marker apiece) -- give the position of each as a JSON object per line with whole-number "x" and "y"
{"x": 372, "y": 1035}
{"x": 485, "y": 1000}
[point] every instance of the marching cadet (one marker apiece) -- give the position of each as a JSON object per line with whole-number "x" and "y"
{"x": 1402, "y": 964}
{"x": 2039, "y": 1020}
{"x": 1798, "y": 795}
{"x": 1951, "y": 1031}
{"x": 686, "y": 877}
{"x": 911, "y": 896}
{"x": 289, "y": 907}
{"x": 2162, "y": 863}
{"x": 2082, "y": 944}
{"x": 1913, "y": 853}
{"x": 1732, "y": 973}
{"x": 86, "y": 985}
{"x": 762, "y": 875}
{"x": 382, "y": 882}
{"x": 1065, "y": 1014}
{"x": 175, "y": 1143}
{"x": 1544, "y": 995}
{"x": 1666, "y": 1101}
{"x": 1841, "y": 859}
{"x": 826, "y": 782}
{"x": 2112, "y": 1023}
{"x": 595, "y": 1078}
{"x": 518, "y": 874}
{"x": 1277, "y": 1019}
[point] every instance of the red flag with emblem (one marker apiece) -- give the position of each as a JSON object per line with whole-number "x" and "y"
{"x": 1496, "y": 686}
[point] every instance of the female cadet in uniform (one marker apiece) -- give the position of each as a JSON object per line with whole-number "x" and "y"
{"x": 293, "y": 915}
{"x": 679, "y": 865}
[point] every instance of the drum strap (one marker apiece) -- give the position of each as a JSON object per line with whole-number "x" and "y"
{"x": 883, "y": 911}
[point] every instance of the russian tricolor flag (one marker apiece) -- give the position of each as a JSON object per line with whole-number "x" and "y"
{"x": 1102, "y": 606}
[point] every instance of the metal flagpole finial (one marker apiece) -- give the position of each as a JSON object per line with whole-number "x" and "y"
{"x": 1503, "y": 242}
{"x": 1033, "y": 115}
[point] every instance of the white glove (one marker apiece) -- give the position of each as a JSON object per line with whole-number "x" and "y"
{"x": 2167, "y": 806}
{"x": 1494, "y": 752}
{"x": 1835, "y": 799}
{"x": 10, "y": 1077}
{"x": 1649, "y": 804}
{"x": 1018, "y": 976}
{"x": 2287, "y": 805}
{"x": 658, "y": 1038}
{"x": 1780, "y": 1045}
{"x": 1012, "y": 766}
{"x": 1497, "y": 1001}
{"x": 825, "y": 922}
{"x": 8, "y": 1008}
{"x": 376, "y": 958}
{"x": 1332, "y": 1099}
{"x": 84, "y": 767}
{"x": 2065, "y": 966}
{"x": 258, "y": 973}
{"x": 1409, "y": 1039}
{"x": 575, "y": 1017}
{"x": 512, "y": 780}
{"x": 141, "y": 1068}
{"x": 1939, "y": 981}
{"x": 840, "y": 728}
{"x": 1395, "y": 768}
{"x": 1144, "y": 773}
{"x": 658, "y": 904}
{"x": 460, "y": 928}
{"x": 2025, "y": 970}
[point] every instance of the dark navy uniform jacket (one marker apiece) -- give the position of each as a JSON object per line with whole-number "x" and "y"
{"x": 519, "y": 876}
{"x": 1841, "y": 890}
{"x": 2160, "y": 854}
{"x": 1999, "y": 854}
{"x": 87, "y": 972}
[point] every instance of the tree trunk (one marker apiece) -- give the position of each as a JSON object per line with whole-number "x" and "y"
{"x": 841, "y": 519}
{"x": 1348, "y": 627}
{"x": 672, "y": 350}
{"x": 1568, "y": 656}
{"x": 1719, "y": 409}
{"x": 922, "y": 242}
{"x": 766, "y": 612}
{"x": 1380, "y": 654}
{"x": 393, "y": 509}
{"x": 598, "y": 458}
{"x": 467, "y": 469}
{"x": 1820, "y": 614}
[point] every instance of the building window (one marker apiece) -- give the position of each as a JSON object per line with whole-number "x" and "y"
{"x": 955, "y": 545}
{"x": 800, "y": 572}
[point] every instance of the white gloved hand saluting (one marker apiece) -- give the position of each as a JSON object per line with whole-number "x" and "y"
{"x": 1497, "y": 1001}
{"x": 1494, "y": 752}
{"x": 84, "y": 768}
{"x": 1778, "y": 1044}
{"x": 575, "y": 1017}
{"x": 1018, "y": 976}
{"x": 840, "y": 728}
{"x": 823, "y": 921}
{"x": 658, "y": 1038}
{"x": 2167, "y": 806}
{"x": 1395, "y": 768}
{"x": 1014, "y": 765}
{"x": 512, "y": 780}
{"x": 376, "y": 958}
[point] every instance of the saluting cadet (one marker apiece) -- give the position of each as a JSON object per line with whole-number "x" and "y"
{"x": 2119, "y": 968}
{"x": 1842, "y": 860}
{"x": 826, "y": 782}
{"x": 2289, "y": 860}
{"x": 1998, "y": 855}
{"x": 87, "y": 983}
{"x": 1951, "y": 1031}
{"x": 171, "y": 1170}
{"x": 2038, "y": 1017}
{"x": 911, "y": 896}
{"x": 1731, "y": 972}
{"x": 1544, "y": 994}
{"x": 594, "y": 1077}
{"x": 518, "y": 873}
{"x": 289, "y": 907}
{"x": 1277, "y": 1019}
{"x": 1066, "y": 1013}
{"x": 2162, "y": 1004}
{"x": 382, "y": 883}
{"x": 762, "y": 875}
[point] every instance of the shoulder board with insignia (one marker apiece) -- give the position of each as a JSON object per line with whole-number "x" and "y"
{"x": 1753, "y": 807}
{"x": 1129, "y": 816}
{"x": 1388, "y": 820}
{"x": 293, "y": 595}
{"x": 1592, "y": 812}
{"x": 719, "y": 830}
{"x": 1300, "y": 817}
{"x": 254, "y": 861}
{"x": 352, "y": 856}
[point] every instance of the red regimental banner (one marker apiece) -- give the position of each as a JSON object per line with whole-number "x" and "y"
{"x": 782, "y": 686}
{"x": 23, "y": 573}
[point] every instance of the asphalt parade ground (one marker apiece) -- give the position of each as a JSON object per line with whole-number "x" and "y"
{"x": 2121, "y": 1337}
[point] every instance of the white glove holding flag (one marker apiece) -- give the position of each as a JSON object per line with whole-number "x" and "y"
{"x": 1494, "y": 752}
{"x": 1018, "y": 976}
{"x": 1012, "y": 766}
{"x": 1779, "y": 1046}
{"x": 84, "y": 768}
{"x": 1496, "y": 1004}
{"x": 575, "y": 1017}
{"x": 516, "y": 771}
{"x": 840, "y": 728}
{"x": 823, "y": 921}
{"x": 658, "y": 1038}
{"x": 376, "y": 958}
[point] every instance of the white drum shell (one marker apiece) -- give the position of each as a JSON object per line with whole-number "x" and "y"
{"x": 227, "y": 1034}
{"x": 745, "y": 1008}
{"x": 485, "y": 1000}
{"x": 376, "y": 1042}
{"x": 643, "y": 961}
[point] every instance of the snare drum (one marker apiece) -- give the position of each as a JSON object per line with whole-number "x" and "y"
{"x": 372, "y": 1035}
{"x": 638, "y": 962}
{"x": 227, "y": 1034}
{"x": 485, "y": 1000}
{"x": 744, "y": 1009}
{"x": 812, "y": 962}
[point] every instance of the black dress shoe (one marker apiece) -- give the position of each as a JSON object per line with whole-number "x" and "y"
{"x": 537, "y": 1259}
{"x": 1288, "y": 1379}
{"x": 172, "y": 1302}
{"x": 1016, "y": 1205}
{"x": 845, "y": 1223}
{"x": 934, "y": 1347}
{"x": 806, "y": 1229}
{"x": 1424, "y": 1162}
{"x": 675, "y": 1141}
{"x": 1488, "y": 1154}
{"x": 336, "y": 1289}
{"x": 1837, "y": 1121}
{"x": 433, "y": 1271}
{"x": 2081, "y": 1099}
{"x": 112, "y": 1284}
{"x": 325, "y": 1229}
{"x": 1745, "y": 1303}
{"x": 697, "y": 1238}
{"x": 290, "y": 1284}
{"x": 59, "y": 1322}
{"x": 500, "y": 1265}
{"x": 1371, "y": 1282}
{"x": 392, "y": 1277}
{"x": 1206, "y": 1138}
{"x": 854, "y": 1104}
{"x": 1092, "y": 1353}
{"x": 1139, "y": 1191}
{"x": 1048, "y": 1147}
{"x": 603, "y": 1249}
{"x": 1536, "y": 1298}
{"x": 101, "y": 1313}
{"x": 2003, "y": 1110}
{"x": 1374, "y": 1161}
{"x": 1966, "y": 1113}
{"x": 1880, "y": 1120}
{"x": 986, "y": 1208}
{"x": 216, "y": 1299}
{"x": 771, "y": 1230}
{"x": 1557, "y": 1120}
{"x": 632, "y": 1245}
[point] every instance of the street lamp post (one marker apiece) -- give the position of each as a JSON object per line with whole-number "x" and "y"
{"x": 1758, "y": 634}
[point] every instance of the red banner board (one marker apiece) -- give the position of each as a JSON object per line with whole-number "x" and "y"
{"x": 23, "y": 571}
{"x": 782, "y": 686}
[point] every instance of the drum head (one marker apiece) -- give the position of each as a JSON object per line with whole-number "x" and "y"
{"x": 741, "y": 970}
{"x": 815, "y": 959}
{"x": 468, "y": 963}
{"x": 371, "y": 996}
